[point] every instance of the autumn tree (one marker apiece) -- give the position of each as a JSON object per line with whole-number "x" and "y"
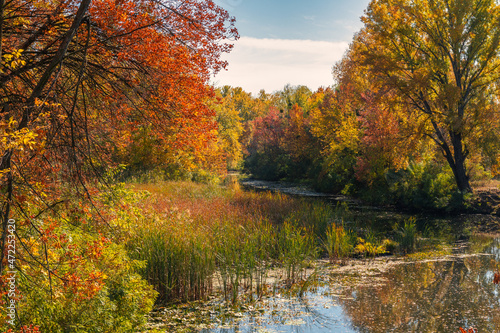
{"x": 292, "y": 95}
{"x": 230, "y": 127}
{"x": 441, "y": 58}
{"x": 335, "y": 124}
{"x": 266, "y": 156}
{"x": 79, "y": 82}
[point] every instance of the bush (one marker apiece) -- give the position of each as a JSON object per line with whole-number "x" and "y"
{"x": 88, "y": 284}
{"x": 424, "y": 185}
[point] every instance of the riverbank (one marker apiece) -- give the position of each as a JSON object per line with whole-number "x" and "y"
{"x": 265, "y": 251}
{"x": 481, "y": 214}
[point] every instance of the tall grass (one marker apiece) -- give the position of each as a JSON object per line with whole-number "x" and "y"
{"x": 339, "y": 243}
{"x": 198, "y": 237}
{"x": 195, "y": 236}
{"x": 295, "y": 247}
{"x": 243, "y": 256}
{"x": 179, "y": 259}
{"x": 314, "y": 216}
{"x": 407, "y": 236}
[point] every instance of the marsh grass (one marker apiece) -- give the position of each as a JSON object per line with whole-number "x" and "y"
{"x": 180, "y": 260}
{"x": 339, "y": 242}
{"x": 196, "y": 238}
{"x": 407, "y": 236}
{"x": 296, "y": 246}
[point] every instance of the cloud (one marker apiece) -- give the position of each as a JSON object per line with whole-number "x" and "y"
{"x": 270, "y": 64}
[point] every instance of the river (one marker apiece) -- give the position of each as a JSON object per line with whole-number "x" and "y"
{"x": 441, "y": 291}
{"x": 388, "y": 294}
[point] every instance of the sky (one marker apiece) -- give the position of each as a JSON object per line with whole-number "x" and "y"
{"x": 293, "y": 42}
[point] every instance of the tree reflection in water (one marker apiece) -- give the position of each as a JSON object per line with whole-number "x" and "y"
{"x": 432, "y": 296}
{"x": 427, "y": 296}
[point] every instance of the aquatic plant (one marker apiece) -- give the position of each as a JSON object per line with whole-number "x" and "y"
{"x": 390, "y": 246}
{"x": 243, "y": 257}
{"x": 407, "y": 236}
{"x": 295, "y": 247}
{"x": 190, "y": 234}
{"x": 367, "y": 249}
{"x": 339, "y": 243}
{"x": 179, "y": 258}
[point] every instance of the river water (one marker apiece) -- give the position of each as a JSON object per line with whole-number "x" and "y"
{"x": 387, "y": 295}
{"x": 438, "y": 294}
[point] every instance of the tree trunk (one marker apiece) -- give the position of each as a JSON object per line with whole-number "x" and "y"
{"x": 460, "y": 171}
{"x": 461, "y": 176}
{"x": 36, "y": 93}
{"x": 455, "y": 159}
{"x": 458, "y": 164}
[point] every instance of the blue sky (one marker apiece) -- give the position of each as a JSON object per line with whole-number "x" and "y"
{"x": 292, "y": 41}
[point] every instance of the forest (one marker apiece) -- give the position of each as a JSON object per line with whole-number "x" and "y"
{"x": 115, "y": 150}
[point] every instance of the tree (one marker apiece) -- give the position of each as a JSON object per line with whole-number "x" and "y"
{"x": 335, "y": 124}
{"x": 230, "y": 127}
{"x": 79, "y": 80}
{"x": 291, "y": 95}
{"x": 266, "y": 155}
{"x": 441, "y": 58}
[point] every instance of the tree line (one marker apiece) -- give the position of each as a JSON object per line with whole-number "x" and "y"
{"x": 413, "y": 115}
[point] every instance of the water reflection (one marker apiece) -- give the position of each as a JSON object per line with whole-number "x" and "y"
{"x": 427, "y": 296}
{"x": 436, "y": 296}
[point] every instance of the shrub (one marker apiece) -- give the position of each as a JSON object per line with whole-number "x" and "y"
{"x": 87, "y": 284}
{"x": 424, "y": 185}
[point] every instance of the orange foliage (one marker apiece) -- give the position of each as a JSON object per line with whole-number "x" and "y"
{"x": 381, "y": 142}
{"x": 25, "y": 329}
{"x": 116, "y": 67}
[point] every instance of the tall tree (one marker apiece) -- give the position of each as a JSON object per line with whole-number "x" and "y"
{"x": 442, "y": 58}
{"x": 79, "y": 77}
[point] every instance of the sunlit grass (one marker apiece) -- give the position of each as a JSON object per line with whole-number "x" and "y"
{"x": 197, "y": 237}
{"x": 339, "y": 242}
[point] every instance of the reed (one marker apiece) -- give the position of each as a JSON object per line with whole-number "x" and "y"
{"x": 407, "y": 236}
{"x": 296, "y": 246}
{"x": 179, "y": 259}
{"x": 194, "y": 235}
{"x": 339, "y": 243}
